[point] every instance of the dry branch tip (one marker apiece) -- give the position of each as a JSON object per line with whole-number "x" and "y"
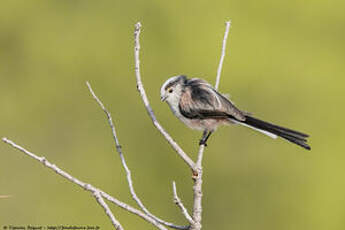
{"x": 137, "y": 26}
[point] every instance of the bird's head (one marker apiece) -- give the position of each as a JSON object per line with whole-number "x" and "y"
{"x": 171, "y": 89}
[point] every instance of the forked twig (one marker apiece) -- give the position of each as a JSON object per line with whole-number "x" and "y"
{"x": 126, "y": 168}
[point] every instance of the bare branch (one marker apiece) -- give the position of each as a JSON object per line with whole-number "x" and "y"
{"x": 84, "y": 185}
{"x": 123, "y": 161}
{"x": 197, "y": 190}
{"x": 196, "y": 167}
{"x": 220, "y": 66}
{"x": 179, "y": 203}
{"x": 149, "y": 110}
{"x": 107, "y": 210}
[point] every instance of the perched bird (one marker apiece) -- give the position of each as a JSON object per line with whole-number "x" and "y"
{"x": 197, "y": 104}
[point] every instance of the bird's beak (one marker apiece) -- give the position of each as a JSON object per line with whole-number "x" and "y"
{"x": 163, "y": 98}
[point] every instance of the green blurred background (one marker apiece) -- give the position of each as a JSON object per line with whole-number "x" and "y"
{"x": 285, "y": 64}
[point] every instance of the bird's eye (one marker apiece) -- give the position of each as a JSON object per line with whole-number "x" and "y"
{"x": 170, "y": 90}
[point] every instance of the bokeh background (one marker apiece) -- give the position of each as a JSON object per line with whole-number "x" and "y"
{"x": 285, "y": 64}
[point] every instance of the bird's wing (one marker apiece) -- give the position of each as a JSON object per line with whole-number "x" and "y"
{"x": 200, "y": 100}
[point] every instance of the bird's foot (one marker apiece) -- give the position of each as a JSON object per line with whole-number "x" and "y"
{"x": 203, "y": 142}
{"x": 205, "y": 137}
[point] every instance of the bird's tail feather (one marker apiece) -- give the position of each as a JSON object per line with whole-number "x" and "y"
{"x": 275, "y": 130}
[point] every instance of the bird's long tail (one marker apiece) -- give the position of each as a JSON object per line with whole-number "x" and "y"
{"x": 273, "y": 131}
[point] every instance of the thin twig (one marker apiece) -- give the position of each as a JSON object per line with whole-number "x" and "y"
{"x": 149, "y": 110}
{"x": 107, "y": 210}
{"x": 179, "y": 203}
{"x": 126, "y": 168}
{"x": 84, "y": 185}
{"x": 220, "y": 66}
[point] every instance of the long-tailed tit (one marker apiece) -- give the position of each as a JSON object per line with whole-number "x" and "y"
{"x": 197, "y": 104}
